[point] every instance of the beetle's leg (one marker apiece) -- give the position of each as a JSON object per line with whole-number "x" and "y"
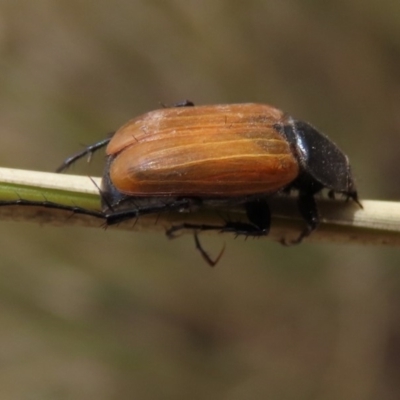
{"x": 88, "y": 151}
{"x": 257, "y": 212}
{"x": 197, "y": 227}
{"x": 309, "y": 211}
{"x": 204, "y": 254}
{"x": 53, "y": 205}
{"x": 352, "y": 195}
{"x": 183, "y": 103}
{"x": 114, "y": 217}
{"x": 171, "y": 232}
{"x": 259, "y": 216}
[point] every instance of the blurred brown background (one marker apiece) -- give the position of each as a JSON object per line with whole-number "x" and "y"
{"x": 86, "y": 313}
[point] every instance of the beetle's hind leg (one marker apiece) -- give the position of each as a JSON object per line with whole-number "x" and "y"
{"x": 52, "y": 205}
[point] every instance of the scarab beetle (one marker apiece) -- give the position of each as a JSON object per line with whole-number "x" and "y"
{"x": 222, "y": 155}
{"x": 184, "y": 157}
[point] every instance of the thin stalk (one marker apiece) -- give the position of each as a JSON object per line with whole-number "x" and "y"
{"x": 341, "y": 222}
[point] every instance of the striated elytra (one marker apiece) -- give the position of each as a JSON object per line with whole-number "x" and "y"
{"x": 222, "y": 155}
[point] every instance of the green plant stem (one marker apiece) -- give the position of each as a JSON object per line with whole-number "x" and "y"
{"x": 342, "y": 222}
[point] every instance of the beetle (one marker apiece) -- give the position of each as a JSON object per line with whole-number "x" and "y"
{"x": 219, "y": 155}
{"x": 185, "y": 157}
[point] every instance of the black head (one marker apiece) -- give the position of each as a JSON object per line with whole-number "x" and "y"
{"x": 322, "y": 163}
